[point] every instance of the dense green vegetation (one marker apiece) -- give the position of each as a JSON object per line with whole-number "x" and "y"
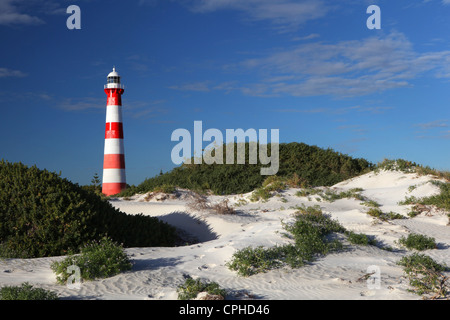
{"x": 97, "y": 259}
{"x": 310, "y": 165}
{"x": 42, "y": 214}
{"x": 418, "y": 241}
{"x": 26, "y": 292}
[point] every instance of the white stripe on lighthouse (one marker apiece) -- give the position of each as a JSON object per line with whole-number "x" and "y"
{"x": 114, "y": 146}
{"x": 114, "y": 175}
{"x": 114, "y": 114}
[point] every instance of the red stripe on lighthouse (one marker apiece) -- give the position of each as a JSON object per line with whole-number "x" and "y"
{"x": 114, "y": 161}
{"x": 113, "y": 188}
{"x": 114, "y": 97}
{"x": 114, "y": 130}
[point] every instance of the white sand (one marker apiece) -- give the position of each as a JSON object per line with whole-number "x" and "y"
{"x": 157, "y": 272}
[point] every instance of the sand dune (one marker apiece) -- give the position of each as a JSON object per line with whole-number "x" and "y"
{"x": 157, "y": 272}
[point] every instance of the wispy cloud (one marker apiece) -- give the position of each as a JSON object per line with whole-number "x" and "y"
{"x": 343, "y": 69}
{"x": 195, "y": 86}
{"x": 11, "y": 14}
{"x": 433, "y": 124}
{"x": 29, "y": 12}
{"x": 72, "y": 104}
{"x": 134, "y": 109}
{"x": 338, "y": 111}
{"x": 283, "y": 14}
{"x": 308, "y": 37}
{"x": 433, "y": 130}
{"x": 9, "y": 73}
{"x": 348, "y": 68}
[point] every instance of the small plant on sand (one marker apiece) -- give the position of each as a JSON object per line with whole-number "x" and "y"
{"x": 418, "y": 241}
{"x": 307, "y": 192}
{"x": 360, "y": 239}
{"x": 191, "y": 288}
{"x": 262, "y": 194}
{"x": 98, "y": 259}
{"x": 310, "y": 233}
{"x": 26, "y": 292}
{"x": 370, "y": 204}
{"x": 249, "y": 261}
{"x": 425, "y": 275}
{"x": 274, "y": 183}
{"x": 377, "y": 213}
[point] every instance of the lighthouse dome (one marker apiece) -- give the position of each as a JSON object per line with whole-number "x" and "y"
{"x": 113, "y": 80}
{"x": 113, "y": 73}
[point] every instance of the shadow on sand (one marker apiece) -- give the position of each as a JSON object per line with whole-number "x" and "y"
{"x": 192, "y": 229}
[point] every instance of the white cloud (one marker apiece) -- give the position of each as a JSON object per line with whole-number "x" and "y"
{"x": 10, "y": 14}
{"x": 347, "y": 68}
{"x": 29, "y": 12}
{"x": 5, "y": 73}
{"x": 433, "y": 124}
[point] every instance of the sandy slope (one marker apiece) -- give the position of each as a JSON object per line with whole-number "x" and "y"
{"x": 157, "y": 272}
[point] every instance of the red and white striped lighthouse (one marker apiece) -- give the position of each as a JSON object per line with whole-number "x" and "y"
{"x": 114, "y": 179}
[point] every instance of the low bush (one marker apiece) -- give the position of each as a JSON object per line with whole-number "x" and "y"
{"x": 308, "y": 192}
{"x": 418, "y": 241}
{"x": 370, "y": 204}
{"x": 42, "y": 214}
{"x": 26, "y": 292}
{"x": 191, "y": 288}
{"x": 98, "y": 259}
{"x": 425, "y": 275}
{"x": 249, "y": 261}
{"x": 377, "y": 213}
{"x": 359, "y": 238}
{"x": 262, "y": 194}
{"x": 311, "y": 231}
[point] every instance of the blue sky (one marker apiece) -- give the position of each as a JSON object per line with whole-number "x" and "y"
{"x": 311, "y": 69}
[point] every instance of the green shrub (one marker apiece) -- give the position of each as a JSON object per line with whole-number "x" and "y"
{"x": 249, "y": 261}
{"x": 26, "y": 292}
{"x": 310, "y": 231}
{"x": 165, "y": 188}
{"x": 98, "y": 259}
{"x": 191, "y": 288}
{"x": 418, "y": 241}
{"x": 262, "y": 194}
{"x": 332, "y": 195}
{"x": 441, "y": 200}
{"x": 377, "y": 213}
{"x": 371, "y": 204}
{"x": 42, "y": 214}
{"x": 399, "y": 164}
{"x": 307, "y": 192}
{"x": 360, "y": 239}
{"x": 425, "y": 275}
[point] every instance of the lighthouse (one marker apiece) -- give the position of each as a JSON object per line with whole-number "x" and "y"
{"x": 114, "y": 179}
